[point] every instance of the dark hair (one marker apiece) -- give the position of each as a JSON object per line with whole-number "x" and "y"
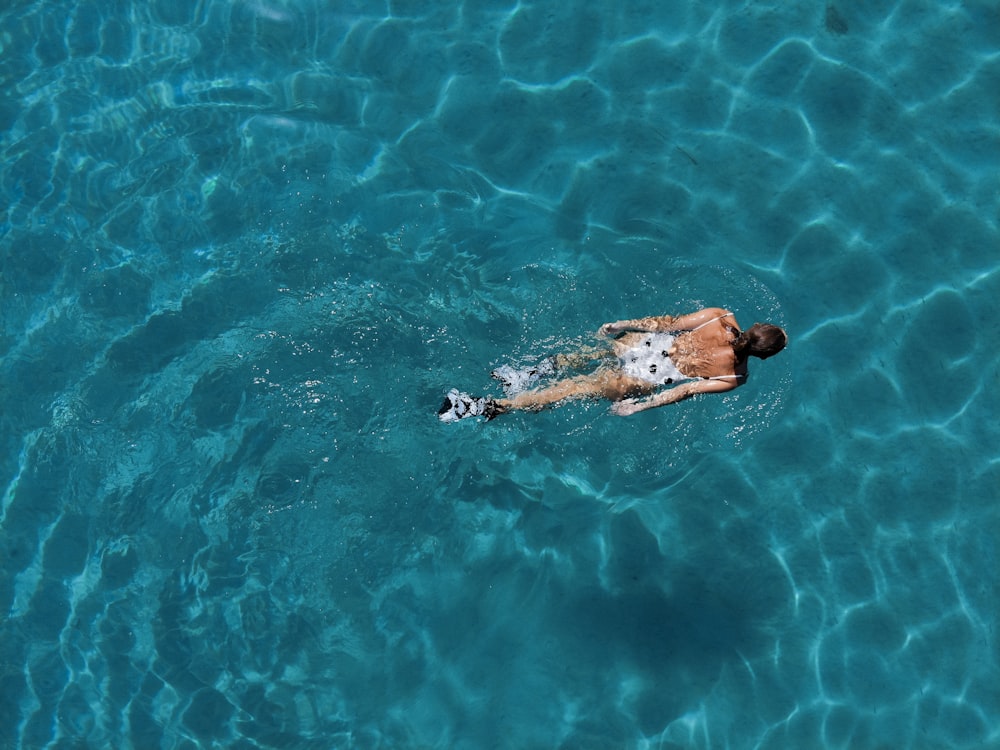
{"x": 761, "y": 340}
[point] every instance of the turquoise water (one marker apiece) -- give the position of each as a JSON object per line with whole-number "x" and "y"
{"x": 245, "y": 248}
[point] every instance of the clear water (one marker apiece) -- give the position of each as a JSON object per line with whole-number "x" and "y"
{"x": 246, "y": 247}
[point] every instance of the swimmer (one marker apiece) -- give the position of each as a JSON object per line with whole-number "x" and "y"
{"x": 648, "y": 362}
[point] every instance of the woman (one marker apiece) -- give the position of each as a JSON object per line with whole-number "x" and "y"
{"x": 652, "y": 362}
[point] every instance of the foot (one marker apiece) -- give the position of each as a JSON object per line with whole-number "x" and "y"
{"x": 459, "y": 405}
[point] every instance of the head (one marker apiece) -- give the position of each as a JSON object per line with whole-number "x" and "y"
{"x": 761, "y": 340}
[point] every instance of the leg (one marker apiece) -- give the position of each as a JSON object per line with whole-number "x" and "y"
{"x": 521, "y": 379}
{"x": 610, "y": 384}
{"x": 582, "y": 357}
{"x": 607, "y": 383}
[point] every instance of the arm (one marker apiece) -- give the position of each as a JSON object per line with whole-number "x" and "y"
{"x": 654, "y": 324}
{"x": 629, "y": 406}
{"x": 664, "y": 323}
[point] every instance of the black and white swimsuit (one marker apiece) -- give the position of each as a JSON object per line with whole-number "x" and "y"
{"x": 650, "y": 360}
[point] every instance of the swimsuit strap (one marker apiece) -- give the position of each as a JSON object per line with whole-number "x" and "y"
{"x": 724, "y": 315}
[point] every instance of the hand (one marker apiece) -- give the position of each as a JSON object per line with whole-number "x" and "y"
{"x": 627, "y": 407}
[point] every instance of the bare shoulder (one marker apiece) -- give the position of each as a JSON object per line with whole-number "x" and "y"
{"x": 695, "y": 319}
